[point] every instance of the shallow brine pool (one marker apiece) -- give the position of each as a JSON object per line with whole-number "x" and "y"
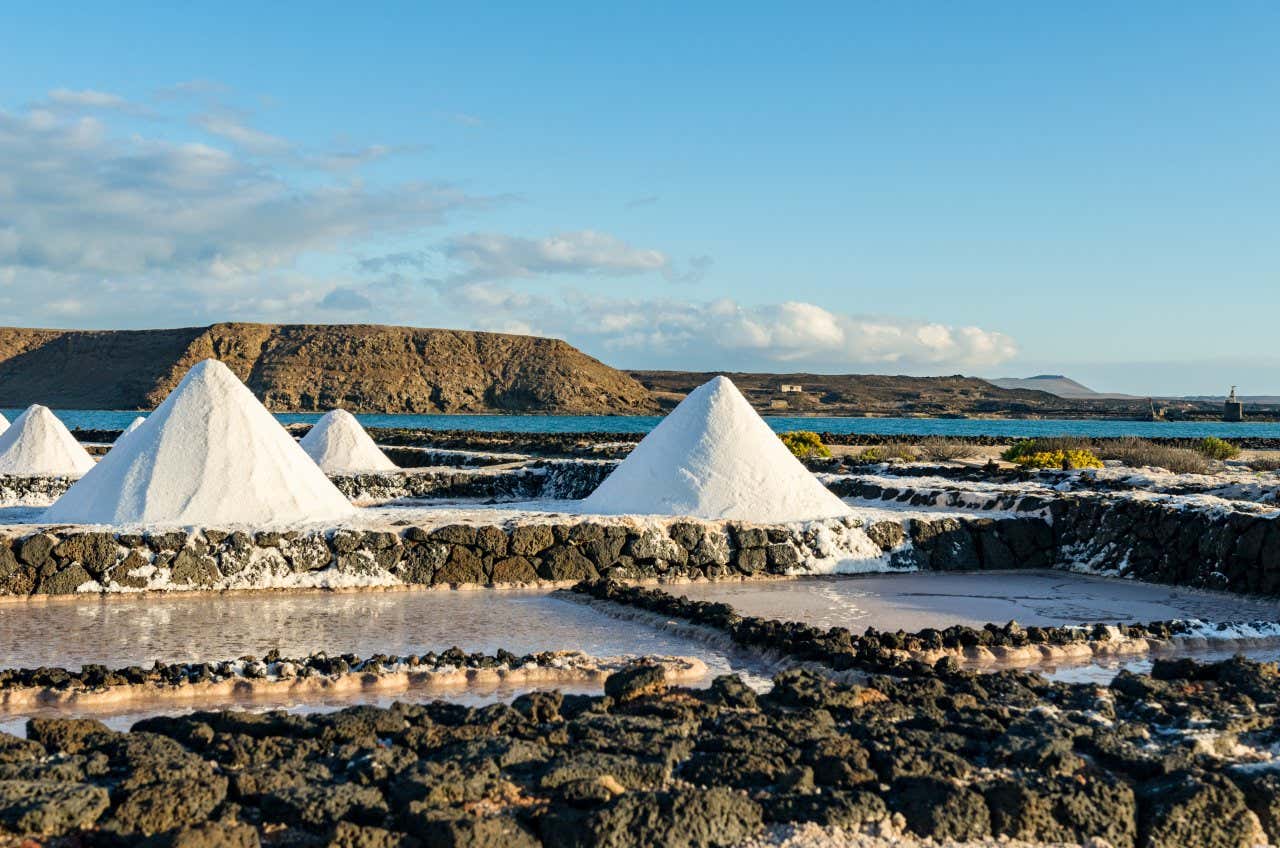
{"x": 118, "y": 631}
{"x": 915, "y": 601}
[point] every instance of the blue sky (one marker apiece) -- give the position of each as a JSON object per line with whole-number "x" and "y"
{"x": 986, "y": 188}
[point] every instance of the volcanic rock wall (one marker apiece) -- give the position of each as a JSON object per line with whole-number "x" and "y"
{"x": 65, "y": 560}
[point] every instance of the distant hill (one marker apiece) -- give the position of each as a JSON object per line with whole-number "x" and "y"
{"x": 305, "y": 367}
{"x": 876, "y": 394}
{"x": 1055, "y": 384}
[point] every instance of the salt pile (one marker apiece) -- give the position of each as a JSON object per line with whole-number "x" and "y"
{"x": 133, "y": 425}
{"x": 4, "y": 423}
{"x": 714, "y": 457}
{"x": 340, "y": 445}
{"x": 39, "y": 444}
{"x": 211, "y": 454}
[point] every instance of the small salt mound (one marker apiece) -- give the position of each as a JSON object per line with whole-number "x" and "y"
{"x": 39, "y": 444}
{"x": 714, "y": 457}
{"x": 211, "y": 454}
{"x": 340, "y": 445}
{"x": 4, "y": 423}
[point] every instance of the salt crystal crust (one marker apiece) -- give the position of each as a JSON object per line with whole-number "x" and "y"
{"x": 210, "y": 454}
{"x": 339, "y": 445}
{"x": 714, "y": 457}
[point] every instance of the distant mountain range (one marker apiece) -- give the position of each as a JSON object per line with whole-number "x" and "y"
{"x": 1064, "y": 387}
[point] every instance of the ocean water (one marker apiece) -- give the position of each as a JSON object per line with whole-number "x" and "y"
{"x": 99, "y": 419}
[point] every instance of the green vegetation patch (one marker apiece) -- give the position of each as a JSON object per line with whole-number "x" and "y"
{"x": 805, "y": 444}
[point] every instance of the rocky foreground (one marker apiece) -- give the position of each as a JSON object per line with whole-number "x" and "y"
{"x": 857, "y": 743}
{"x": 1181, "y": 757}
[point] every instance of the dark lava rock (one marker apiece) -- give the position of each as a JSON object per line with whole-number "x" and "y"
{"x": 463, "y": 566}
{"x": 1262, "y": 791}
{"x": 15, "y": 749}
{"x": 95, "y": 551}
{"x": 348, "y": 835}
{"x": 728, "y": 690}
{"x": 678, "y": 819}
{"x": 68, "y": 735}
{"x": 566, "y": 563}
{"x": 208, "y": 835}
{"x": 1196, "y": 811}
{"x": 49, "y": 808}
{"x": 452, "y": 829}
{"x": 531, "y": 539}
{"x": 829, "y": 809}
{"x": 320, "y": 806}
{"x": 516, "y": 569}
{"x": 887, "y": 535}
{"x": 941, "y": 809}
{"x": 159, "y": 807}
{"x": 1066, "y": 810}
{"x": 64, "y": 582}
{"x": 635, "y": 681}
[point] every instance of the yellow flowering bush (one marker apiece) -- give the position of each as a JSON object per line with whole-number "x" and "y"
{"x": 805, "y": 444}
{"x": 1072, "y": 458}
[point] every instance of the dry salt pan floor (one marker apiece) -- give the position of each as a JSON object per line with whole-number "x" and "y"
{"x": 132, "y": 630}
{"x": 913, "y": 602}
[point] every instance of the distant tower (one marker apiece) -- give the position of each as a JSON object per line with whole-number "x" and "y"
{"x": 1233, "y": 408}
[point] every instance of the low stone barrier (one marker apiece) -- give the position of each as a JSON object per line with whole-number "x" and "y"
{"x": 548, "y": 479}
{"x": 22, "y": 490}
{"x": 65, "y": 560}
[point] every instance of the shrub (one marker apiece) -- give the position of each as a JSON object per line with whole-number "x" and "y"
{"x": 805, "y": 444}
{"x": 1065, "y": 459}
{"x": 1138, "y": 453}
{"x": 1045, "y": 444}
{"x": 1264, "y": 463}
{"x": 889, "y": 452}
{"x": 939, "y": 449}
{"x": 1212, "y": 447}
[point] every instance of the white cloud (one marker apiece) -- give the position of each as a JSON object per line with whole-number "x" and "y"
{"x": 241, "y": 134}
{"x": 722, "y": 333}
{"x": 491, "y": 256}
{"x": 83, "y": 211}
{"x": 87, "y": 99}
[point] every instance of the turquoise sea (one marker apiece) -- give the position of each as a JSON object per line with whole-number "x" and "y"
{"x": 98, "y": 419}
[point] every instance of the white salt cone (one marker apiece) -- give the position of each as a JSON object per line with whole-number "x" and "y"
{"x": 38, "y": 444}
{"x": 714, "y": 457}
{"x": 211, "y": 454}
{"x": 339, "y": 445}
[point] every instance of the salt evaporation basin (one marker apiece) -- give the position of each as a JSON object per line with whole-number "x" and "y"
{"x": 912, "y": 602}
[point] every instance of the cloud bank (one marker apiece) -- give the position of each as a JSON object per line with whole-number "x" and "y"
{"x": 206, "y": 218}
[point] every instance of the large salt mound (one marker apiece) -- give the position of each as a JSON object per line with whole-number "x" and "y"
{"x": 209, "y": 455}
{"x": 714, "y": 457}
{"x": 39, "y": 444}
{"x": 340, "y": 445}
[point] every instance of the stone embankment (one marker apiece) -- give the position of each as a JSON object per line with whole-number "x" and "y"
{"x": 900, "y": 652}
{"x": 537, "y": 480}
{"x": 1153, "y": 540}
{"x": 70, "y": 559}
{"x": 315, "y": 676}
